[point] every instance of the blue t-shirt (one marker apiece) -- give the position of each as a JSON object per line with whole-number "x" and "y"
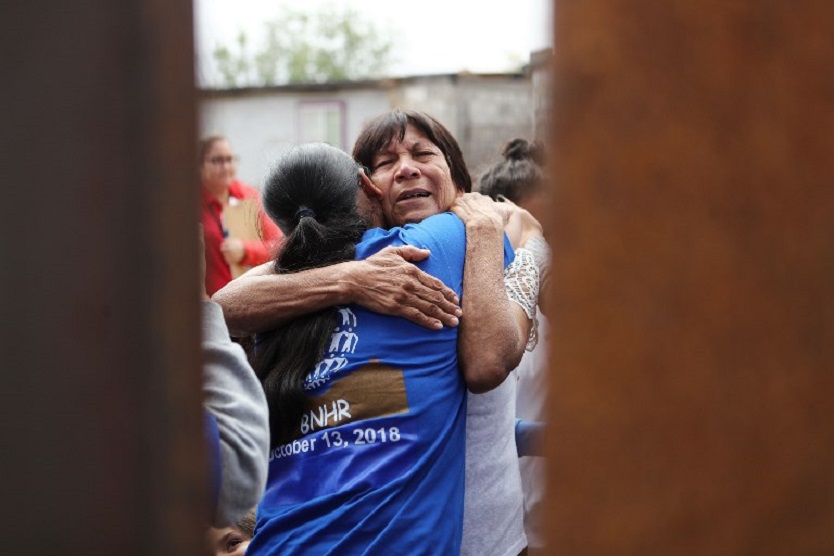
{"x": 377, "y": 466}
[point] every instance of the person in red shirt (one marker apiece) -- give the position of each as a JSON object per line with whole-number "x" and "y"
{"x": 221, "y": 188}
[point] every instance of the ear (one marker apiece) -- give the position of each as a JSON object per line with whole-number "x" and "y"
{"x": 370, "y": 188}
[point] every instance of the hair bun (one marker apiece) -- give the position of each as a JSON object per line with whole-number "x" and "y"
{"x": 521, "y": 149}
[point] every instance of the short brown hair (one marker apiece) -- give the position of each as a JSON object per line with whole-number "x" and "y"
{"x": 379, "y": 132}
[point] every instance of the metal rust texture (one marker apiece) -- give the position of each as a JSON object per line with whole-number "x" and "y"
{"x": 102, "y": 421}
{"x": 692, "y": 353}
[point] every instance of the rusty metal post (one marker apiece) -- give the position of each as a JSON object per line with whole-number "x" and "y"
{"x": 693, "y": 319}
{"x": 102, "y": 432}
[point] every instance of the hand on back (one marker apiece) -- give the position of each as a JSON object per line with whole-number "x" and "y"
{"x": 518, "y": 223}
{"x": 388, "y": 283}
{"x": 479, "y": 210}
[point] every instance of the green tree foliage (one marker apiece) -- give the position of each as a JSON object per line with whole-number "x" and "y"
{"x": 304, "y": 47}
{"x": 234, "y": 67}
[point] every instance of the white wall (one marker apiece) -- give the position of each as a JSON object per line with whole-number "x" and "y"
{"x": 262, "y": 125}
{"x": 481, "y": 112}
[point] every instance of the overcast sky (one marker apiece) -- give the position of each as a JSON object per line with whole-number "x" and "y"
{"x": 433, "y": 36}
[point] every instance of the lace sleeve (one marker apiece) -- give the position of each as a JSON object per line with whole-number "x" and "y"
{"x": 521, "y": 280}
{"x": 541, "y": 253}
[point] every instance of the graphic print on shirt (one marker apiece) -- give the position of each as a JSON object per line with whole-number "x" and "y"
{"x": 348, "y": 419}
{"x": 342, "y": 344}
{"x": 373, "y": 390}
{"x": 369, "y": 391}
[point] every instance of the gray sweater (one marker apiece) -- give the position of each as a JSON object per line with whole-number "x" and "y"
{"x": 233, "y": 394}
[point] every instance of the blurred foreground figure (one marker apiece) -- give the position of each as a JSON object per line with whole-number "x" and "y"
{"x": 237, "y": 419}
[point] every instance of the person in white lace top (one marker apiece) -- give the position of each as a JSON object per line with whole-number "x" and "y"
{"x": 519, "y": 177}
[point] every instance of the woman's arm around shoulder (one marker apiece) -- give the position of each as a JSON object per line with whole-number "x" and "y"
{"x": 387, "y": 283}
{"x": 493, "y": 331}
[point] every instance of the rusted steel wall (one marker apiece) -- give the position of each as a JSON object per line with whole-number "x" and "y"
{"x": 693, "y": 317}
{"x": 102, "y": 431}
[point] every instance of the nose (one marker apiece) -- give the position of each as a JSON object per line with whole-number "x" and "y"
{"x": 407, "y": 169}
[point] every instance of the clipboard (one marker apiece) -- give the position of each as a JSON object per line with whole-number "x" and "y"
{"x": 240, "y": 217}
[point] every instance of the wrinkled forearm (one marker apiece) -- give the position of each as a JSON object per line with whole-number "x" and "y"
{"x": 261, "y": 300}
{"x": 387, "y": 283}
{"x": 491, "y": 341}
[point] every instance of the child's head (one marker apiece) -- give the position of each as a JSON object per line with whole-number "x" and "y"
{"x": 234, "y": 539}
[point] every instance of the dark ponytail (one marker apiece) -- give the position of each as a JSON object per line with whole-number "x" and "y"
{"x": 311, "y": 196}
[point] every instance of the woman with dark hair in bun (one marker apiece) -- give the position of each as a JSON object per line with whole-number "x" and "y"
{"x": 519, "y": 177}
